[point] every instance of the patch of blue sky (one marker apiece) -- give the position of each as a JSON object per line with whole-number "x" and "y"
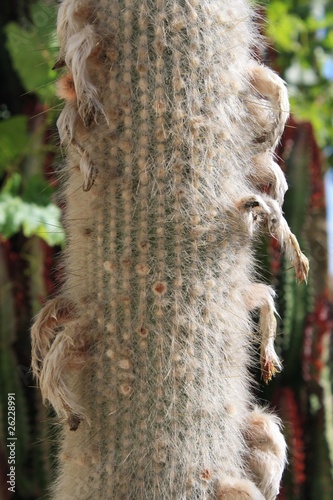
{"x": 328, "y": 68}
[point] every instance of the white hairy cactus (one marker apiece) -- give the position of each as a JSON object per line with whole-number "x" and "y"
{"x": 170, "y": 127}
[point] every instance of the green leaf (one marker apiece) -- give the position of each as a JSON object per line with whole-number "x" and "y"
{"x": 37, "y": 188}
{"x": 33, "y": 50}
{"x": 34, "y": 220}
{"x": 13, "y": 184}
{"x": 284, "y": 26}
{"x": 45, "y": 223}
{"x": 14, "y": 140}
{"x": 302, "y": 35}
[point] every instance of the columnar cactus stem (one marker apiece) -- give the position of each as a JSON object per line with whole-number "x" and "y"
{"x": 170, "y": 127}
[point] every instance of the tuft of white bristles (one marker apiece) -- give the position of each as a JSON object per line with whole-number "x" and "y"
{"x": 263, "y": 211}
{"x": 260, "y": 296}
{"x": 267, "y": 451}
{"x": 270, "y": 86}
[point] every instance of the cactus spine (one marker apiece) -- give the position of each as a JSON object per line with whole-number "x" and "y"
{"x": 170, "y": 127}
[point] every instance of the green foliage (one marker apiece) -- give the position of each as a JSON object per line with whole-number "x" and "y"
{"x": 14, "y": 141}
{"x": 33, "y": 50}
{"x": 302, "y": 35}
{"x": 25, "y": 201}
{"x": 25, "y": 198}
{"x": 16, "y": 214}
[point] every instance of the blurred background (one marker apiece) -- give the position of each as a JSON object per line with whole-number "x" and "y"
{"x": 300, "y": 48}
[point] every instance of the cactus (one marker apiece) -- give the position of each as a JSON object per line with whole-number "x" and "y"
{"x": 170, "y": 126}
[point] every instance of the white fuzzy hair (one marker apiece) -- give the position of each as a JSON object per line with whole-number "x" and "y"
{"x": 268, "y": 451}
{"x": 55, "y": 313}
{"x": 55, "y": 353}
{"x": 259, "y": 210}
{"x": 267, "y": 171}
{"x": 260, "y": 296}
{"x": 77, "y": 39}
{"x": 79, "y": 47}
{"x": 62, "y": 359}
{"x": 270, "y": 86}
{"x": 240, "y": 489}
